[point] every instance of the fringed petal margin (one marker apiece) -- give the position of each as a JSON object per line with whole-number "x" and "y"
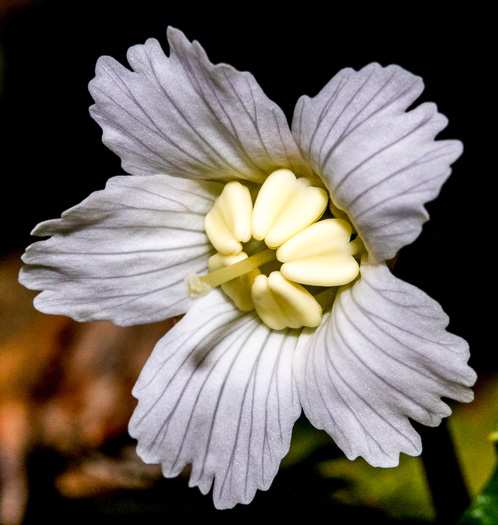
{"x": 218, "y": 393}
{"x": 184, "y": 116}
{"x": 380, "y": 163}
{"x": 123, "y": 254}
{"x": 380, "y": 357}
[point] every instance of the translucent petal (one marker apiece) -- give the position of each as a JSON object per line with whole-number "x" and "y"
{"x": 381, "y": 357}
{"x": 380, "y": 163}
{"x": 218, "y": 392}
{"x": 124, "y": 252}
{"x": 184, "y": 116}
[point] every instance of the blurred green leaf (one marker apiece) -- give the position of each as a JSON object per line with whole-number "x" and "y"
{"x": 484, "y": 508}
{"x": 401, "y": 493}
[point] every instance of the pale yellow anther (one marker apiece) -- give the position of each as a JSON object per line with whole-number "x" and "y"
{"x": 283, "y": 304}
{"x": 238, "y": 289}
{"x": 285, "y": 206}
{"x": 228, "y": 224}
{"x": 321, "y": 255}
{"x": 284, "y": 217}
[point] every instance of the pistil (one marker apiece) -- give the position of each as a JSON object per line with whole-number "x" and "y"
{"x": 308, "y": 251}
{"x": 201, "y": 285}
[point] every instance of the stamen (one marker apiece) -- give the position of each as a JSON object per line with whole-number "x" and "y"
{"x": 200, "y": 285}
{"x": 321, "y": 255}
{"x": 285, "y": 206}
{"x": 229, "y": 221}
{"x": 308, "y": 252}
{"x": 284, "y": 304}
{"x": 356, "y": 246}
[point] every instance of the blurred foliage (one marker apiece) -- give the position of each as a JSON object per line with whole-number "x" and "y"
{"x": 471, "y": 426}
{"x": 484, "y": 507}
{"x": 399, "y": 493}
{"x": 395, "y": 493}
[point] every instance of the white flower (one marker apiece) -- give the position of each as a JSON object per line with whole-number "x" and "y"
{"x": 222, "y": 390}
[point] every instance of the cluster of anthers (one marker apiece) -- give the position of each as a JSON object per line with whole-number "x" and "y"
{"x": 272, "y": 256}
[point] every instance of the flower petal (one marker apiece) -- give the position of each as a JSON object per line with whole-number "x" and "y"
{"x": 380, "y": 163}
{"x": 218, "y": 393}
{"x": 186, "y": 117}
{"x": 124, "y": 252}
{"x": 382, "y": 356}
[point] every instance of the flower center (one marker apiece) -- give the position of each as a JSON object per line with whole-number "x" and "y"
{"x": 286, "y": 216}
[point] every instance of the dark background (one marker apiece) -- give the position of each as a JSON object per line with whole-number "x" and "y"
{"x": 52, "y": 156}
{"x": 51, "y": 151}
